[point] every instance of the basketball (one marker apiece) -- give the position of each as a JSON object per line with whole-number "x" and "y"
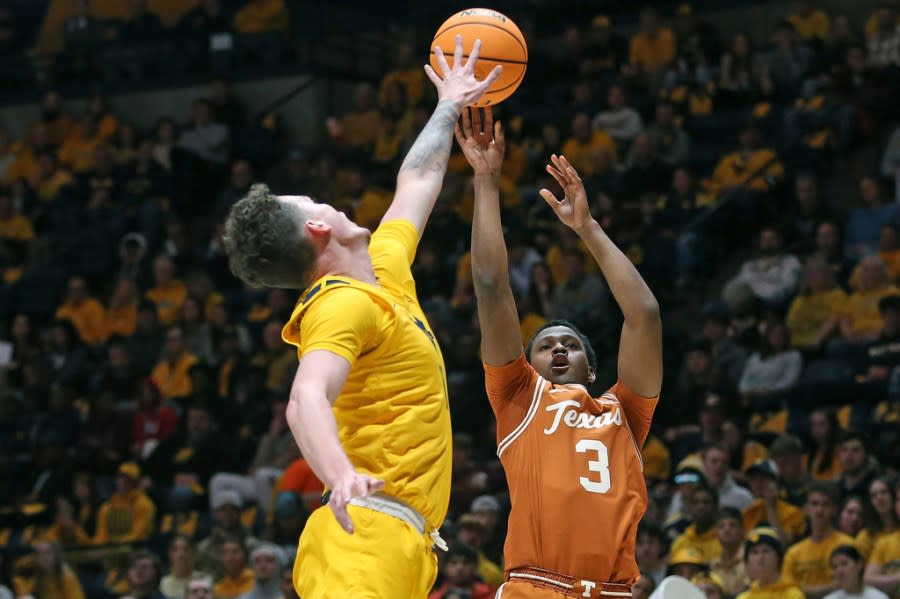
{"x": 501, "y": 43}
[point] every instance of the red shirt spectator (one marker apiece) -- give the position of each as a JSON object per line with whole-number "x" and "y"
{"x": 152, "y": 421}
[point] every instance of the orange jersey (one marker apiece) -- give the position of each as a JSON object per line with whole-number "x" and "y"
{"x": 573, "y": 464}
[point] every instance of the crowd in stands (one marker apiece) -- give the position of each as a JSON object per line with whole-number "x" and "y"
{"x": 143, "y": 387}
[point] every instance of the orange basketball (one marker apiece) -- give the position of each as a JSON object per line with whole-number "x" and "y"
{"x": 501, "y": 43}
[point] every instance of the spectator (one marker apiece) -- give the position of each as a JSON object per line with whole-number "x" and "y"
{"x": 851, "y": 519}
{"x": 644, "y": 172}
{"x": 729, "y": 566}
{"x": 888, "y": 251}
{"x": 171, "y": 374}
{"x": 763, "y": 553}
{"x": 883, "y": 354}
{"x": 139, "y": 41}
{"x": 407, "y": 73}
{"x": 460, "y": 572}
{"x": 672, "y": 143}
{"x": 700, "y": 536}
{"x": 751, "y": 167}
{"x": 772, "y": 371}
{"x": 152, "y": 421}
{"x": 687, "y": 563}
{"x": 767, "y": 509}
{"x": 356, "y": 129}
{"x": 882, "y": 571}
{"x": 805, "y": 213}
{"x": 144, "y": 575}
{"x": 128, "y": 516}
{"x": 620, "y": 121}
{"x": 582, "y": 298}
{"x": 53, "y": 579}
{"x": 772, "y": 278}
{"x": 807, "y": 563}
{"x": 85, "y": 312}
{"x": 866, "y": 221}
{"x": 77, "y": 152}
{"x": 226, "y": 511}
{"x": 48, "y": 178}
{"x": 652, "y": 47}
{"x": 242, "y": 176}
{"x": 848, "y": 566}
{"x": 810, "y": 23}
{"x": 789, "y": 61}
{"x": 740, "y": 69}
{"x": 472, "y": 531}
{"x": 227, "y": 109}
{"x": 884, "y": 39}
{"x": 881, "y": 519}
{"x": 715, "y": 466}
{"x": 204, "y": 138}
{"x": 860, "y": 320}
{"x": 238, "y": 578}
{"x": 268, "y": 561}
{"x": 859, "y": 469}
{"x": 606, "y": 51}
{"x": 201, "y": 587}
{"x": 584, "y": 141}
{"x": 812, "y": 316}
{"x": 182, "y": 555}
{"x": 789, "y": 457}
{"x": 825, "y": 454}
{"x": 652, "y": 551}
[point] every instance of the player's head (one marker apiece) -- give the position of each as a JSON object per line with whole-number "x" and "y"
{"x": 562, "y": 354}
{"x": 276, "y": 241}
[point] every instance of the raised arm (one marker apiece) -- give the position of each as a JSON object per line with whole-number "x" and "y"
{"x": 640, "y": 347}
{"x": 483, "y": 146}
{"x": 319, "y": 380}
{"x": 422, "y": 172}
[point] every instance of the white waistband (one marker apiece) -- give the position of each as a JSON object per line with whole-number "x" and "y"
{"x": 396, "y": 508}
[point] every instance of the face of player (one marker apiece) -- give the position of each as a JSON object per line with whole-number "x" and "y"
{"x": 558, "y": 355}
{"x": 342, "y": 229}
{"x": 846, "y": 572}
{"x": 729, "y": 532}
{"x": 762, "y": 561}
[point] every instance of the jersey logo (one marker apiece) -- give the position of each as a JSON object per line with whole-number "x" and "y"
{"x": 423, "y": 328}
{"x": 309, "y": 294}
{"x": 565, "y": 413}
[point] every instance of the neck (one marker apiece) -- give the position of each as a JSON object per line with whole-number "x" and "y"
{"x": 854, "y": 588}
{"x": 730, "y": 552}
{"x": 820, "y": 530}
{"x": 348, "y": 261}
{"x": 769, "y": 578}
{"x": 702, "y": 527}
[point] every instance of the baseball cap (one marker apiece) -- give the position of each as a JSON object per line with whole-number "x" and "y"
{"x": 131, "y": 470}
{"x": 226, "y": 497}
{"x": 485, "y": 502}
{"x": 786, "y": 445}
{"x": 760, "y": 535}
{"x": 690, "y": 471}
{"x": 687, "y": 555}
{"x": 766, "y": 467}
{"x": 272, "y": 550}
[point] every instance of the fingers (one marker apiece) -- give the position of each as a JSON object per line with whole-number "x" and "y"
{"x": 551, "y": 199}
{"x": 492, "y": 76}
{"x": 375, "y": 485}
{"x": 560, "y": 177}
{"x": 432, "y": 75}
{"x": 442, "y": 62}
{"x": 476, "y": 121}
{"x": 569, "y": 169}
{"x": 458, "y": 133}
{"x": 488, "y": 126}
{"x": 458, "y": 53}
{"x": 473, "y": 56}
{"x": 499, "y": 135}
{"x": 467, "y": 122}
{"x": 339, "y": 509}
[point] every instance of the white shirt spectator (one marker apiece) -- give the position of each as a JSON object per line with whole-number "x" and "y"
{"x": 623, "y": 124}
{"x": 868, "y": 593}
{"x": 884, "y": 49}
{"x": 772, "y": 278}
{"x": 772, "y": 374}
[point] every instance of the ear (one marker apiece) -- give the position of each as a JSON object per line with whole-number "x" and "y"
{"x": 592, "y": 376}
{"x": 319, "y": 232}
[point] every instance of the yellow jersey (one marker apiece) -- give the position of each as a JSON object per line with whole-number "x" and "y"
{"x": 808, "y": 563}
{"x": 887, "y": 553}
{"x": 706, "y": 544}
{"x": 793, "y": 519}
{"x": 393, "y": 414}
{"x": 777, "y": 590}
{"x": 865, "y": 540}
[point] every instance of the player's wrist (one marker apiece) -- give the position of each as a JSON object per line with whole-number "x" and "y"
{"x": 587, "y": 227}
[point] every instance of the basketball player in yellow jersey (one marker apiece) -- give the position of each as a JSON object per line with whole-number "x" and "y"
{"x": 368, "y": 406}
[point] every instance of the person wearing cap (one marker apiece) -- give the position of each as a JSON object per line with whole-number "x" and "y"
{"x": 128, "y": 516}
{"x": 789, "y": 456}
{"x": 807, "y": 563}
{"x": 767, "y": 508}
{"x": 763, "y": 552}
{"x": 710, "y": 584}
{"x": 687, "y": 563}
{"x": 226, "y": 507}
{"x": 729, "y": 566}
{"x": 267, "y": 561}
{"x": 472, "y": 531}
{"x": 701, "y": 534}
{"x": 688, "y": 474}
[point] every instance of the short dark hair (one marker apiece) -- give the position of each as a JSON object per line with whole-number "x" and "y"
{"x": 705, "y": 488}
{"x": 653, "y": 530}
{"x": 855, "y": 435}
{"x": 823, "y": 487}
{"x": 588, "y": 348}
{"x": 729, "y": 512}
{"x": 463, "y": 551}
{"x": 847, "y": 551}
{"x": 262, "y": 242}
{"x": 154, "y": 559}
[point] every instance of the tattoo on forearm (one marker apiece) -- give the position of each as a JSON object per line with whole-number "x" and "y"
{"x": 431, "y": 149}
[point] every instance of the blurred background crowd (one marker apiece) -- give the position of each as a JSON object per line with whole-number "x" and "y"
{"x": 748, "y": 163}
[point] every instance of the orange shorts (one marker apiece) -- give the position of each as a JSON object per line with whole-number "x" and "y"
{"x": 518, "y": 588}
{"x": 515, "y": 589}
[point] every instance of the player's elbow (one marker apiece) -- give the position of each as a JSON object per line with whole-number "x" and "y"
{"x": 645, "y": 312}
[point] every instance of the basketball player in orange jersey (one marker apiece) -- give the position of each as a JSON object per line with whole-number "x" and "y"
{"x": 368, "y": 406}
{"x": 572, "y": 461}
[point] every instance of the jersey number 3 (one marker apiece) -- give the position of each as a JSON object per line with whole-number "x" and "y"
{"x": 600, "y": 466}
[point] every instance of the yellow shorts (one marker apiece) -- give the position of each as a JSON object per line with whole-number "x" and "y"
{"x": 385, "y": 558}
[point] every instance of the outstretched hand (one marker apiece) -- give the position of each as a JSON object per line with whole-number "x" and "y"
{"x": 459, "y": 83}
{"x": 354, "y": 484}
{"x": 572, "y": 209}
{"x": 482, "y": 141}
